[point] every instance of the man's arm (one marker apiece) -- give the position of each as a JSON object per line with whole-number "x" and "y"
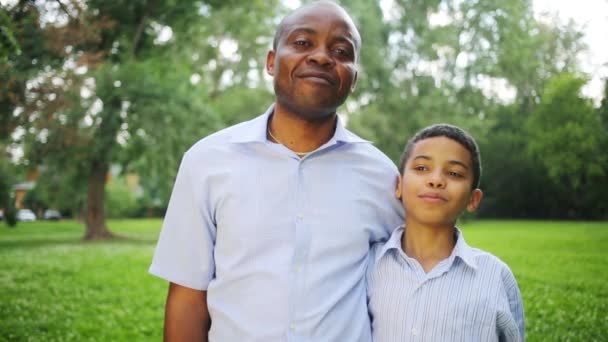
{"x": 186, "y": 314}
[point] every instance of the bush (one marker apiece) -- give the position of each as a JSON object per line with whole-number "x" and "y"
{"x": 120, "y": 201}
{"x": 10, "y": 215}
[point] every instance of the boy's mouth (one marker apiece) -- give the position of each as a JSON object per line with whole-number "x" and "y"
{"x": 432, "y": 197}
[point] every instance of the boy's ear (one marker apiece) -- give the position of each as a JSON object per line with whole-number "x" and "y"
{"x": 398, "y": 188}
{"x": 474, "y": 200}
{"x": 270, "y": 62}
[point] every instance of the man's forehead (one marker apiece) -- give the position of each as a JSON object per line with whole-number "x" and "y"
{"x": 305, "y": 18}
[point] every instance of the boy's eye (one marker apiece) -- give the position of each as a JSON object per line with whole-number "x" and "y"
{"x": 455, "y": 174}
{"x": 420, "y": 168}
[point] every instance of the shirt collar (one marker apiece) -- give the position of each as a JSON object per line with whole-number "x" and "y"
{"x": 256, "y": 129}
{"x": 393, "y": 242}
{"x": 461, "y": 249}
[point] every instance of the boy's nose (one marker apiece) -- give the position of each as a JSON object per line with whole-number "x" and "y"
{"x": 436, "y": 181}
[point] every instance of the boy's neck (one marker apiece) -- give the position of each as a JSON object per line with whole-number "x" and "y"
{"x": 427, "y": 244}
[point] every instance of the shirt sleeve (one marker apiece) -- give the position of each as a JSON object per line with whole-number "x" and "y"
{"x": 516, "y": 311}
{"x": 184, "y": 253}
{"x": 371, "y": 263}
{"x": 390, "y": 210}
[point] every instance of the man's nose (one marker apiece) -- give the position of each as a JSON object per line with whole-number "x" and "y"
{"x": 320, "y": 56}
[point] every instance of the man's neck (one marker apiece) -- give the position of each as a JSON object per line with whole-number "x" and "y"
{"x": 427, "y": 244}
{"x": 298, "y": 134}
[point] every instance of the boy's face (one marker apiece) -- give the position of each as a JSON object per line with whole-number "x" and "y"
{"x": 435, "y": 187}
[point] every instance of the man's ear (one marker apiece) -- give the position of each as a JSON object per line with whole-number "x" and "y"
{"x": 354, "y": 85}
{"x": 270, "y": 62}
{"x": 474, "y": 201}
{"x": 398, "y": 188}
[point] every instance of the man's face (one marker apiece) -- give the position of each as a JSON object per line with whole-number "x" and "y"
{"x": 314, "y": 64}
{"x": 436, "y": 183}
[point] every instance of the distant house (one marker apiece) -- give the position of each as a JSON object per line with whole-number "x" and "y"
{"x": 21, "y": 189}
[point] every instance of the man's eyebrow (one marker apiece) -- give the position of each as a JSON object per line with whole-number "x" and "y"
{"x": 345, "y": 39}
{"x": 302, "y": 30}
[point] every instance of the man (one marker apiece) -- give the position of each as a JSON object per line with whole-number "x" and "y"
{"x": 269, "y": 224}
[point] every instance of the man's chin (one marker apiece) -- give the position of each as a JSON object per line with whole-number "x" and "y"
{"x": 310, "y": 107}
{"x": 315, "y": 111}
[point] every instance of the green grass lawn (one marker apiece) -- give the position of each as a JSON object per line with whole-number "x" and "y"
{"x": 55, "y": 287}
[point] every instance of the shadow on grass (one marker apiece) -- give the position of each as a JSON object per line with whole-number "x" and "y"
{"x": 76, "y": 241}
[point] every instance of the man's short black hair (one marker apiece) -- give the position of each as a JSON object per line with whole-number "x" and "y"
{"x": 452, "y": 132}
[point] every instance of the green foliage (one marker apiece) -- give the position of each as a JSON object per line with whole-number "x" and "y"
{"x": 10, "y": 215}
{"x": 7, "y": 200}
{"x": 56, "y": 287}
{"x": 121, "y": 202}
{"x": 147, "y": 100}
{"x": 566, "y": 136}
{"x": 34, "y": 200}
{"x": 603, "y": 110}
{"x": 8, "y": 44}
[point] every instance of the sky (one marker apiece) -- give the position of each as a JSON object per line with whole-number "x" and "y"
{"x": 592, "y": 15}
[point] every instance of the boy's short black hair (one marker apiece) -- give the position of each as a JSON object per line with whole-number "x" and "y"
{"x": 452, "y": 132}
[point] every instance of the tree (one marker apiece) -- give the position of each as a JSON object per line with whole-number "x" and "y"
{"x": 603, "y": 110}
{"x": 452, "y": 61}
{"x": 482, "y": 65}
{"x": 565, "y": 134}
{"x": 116, "y": 92}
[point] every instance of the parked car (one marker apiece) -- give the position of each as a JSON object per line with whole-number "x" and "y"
{"x": 26, "y": 215}
{"x": 51, "y": 214}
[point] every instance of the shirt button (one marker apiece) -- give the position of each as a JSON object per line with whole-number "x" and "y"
{"x": 297, "y": 268}
{"x": 292, "y": 326}
{"x": 300, "y": 216}
{"x": 414, "y": 332}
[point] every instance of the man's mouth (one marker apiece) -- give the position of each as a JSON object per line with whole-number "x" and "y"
{"x": 318, "y": 76}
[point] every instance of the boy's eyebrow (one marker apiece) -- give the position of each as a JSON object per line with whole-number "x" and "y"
{"x": 457, "y": 162}
{"x": 453, "y": 162}
{"x": 422, "y": 156}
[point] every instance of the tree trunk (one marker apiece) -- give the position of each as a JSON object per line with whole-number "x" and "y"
{"x": 95, "y": 217}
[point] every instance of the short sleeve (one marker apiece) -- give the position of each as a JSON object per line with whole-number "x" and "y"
{"x": 184, "y": 253}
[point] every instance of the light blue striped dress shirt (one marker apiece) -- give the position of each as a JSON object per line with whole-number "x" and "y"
{"x": 279, "y": 242}
{"x": 470, "y": 296}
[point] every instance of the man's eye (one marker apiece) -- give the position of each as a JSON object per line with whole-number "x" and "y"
{"x": 301, "y": 42}
{"x": 343, "y": 52}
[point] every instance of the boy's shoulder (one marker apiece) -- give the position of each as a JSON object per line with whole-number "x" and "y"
{"x": 487, "y": 262}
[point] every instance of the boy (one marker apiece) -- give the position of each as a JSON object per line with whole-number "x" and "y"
{"x": 425, "y": 283}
